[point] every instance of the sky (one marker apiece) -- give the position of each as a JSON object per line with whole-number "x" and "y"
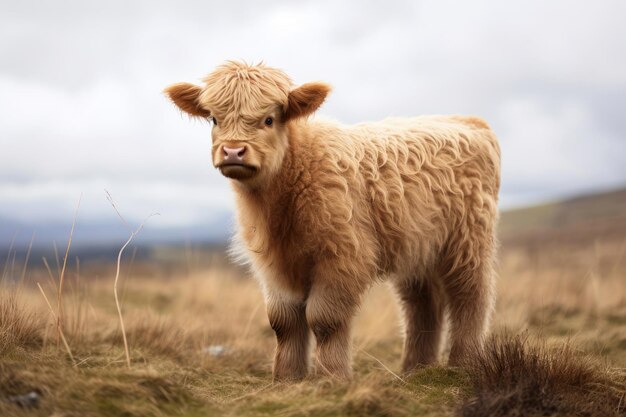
{"x": 82, "y": 109}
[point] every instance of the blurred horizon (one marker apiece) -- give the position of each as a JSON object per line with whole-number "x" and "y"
{"x": 104, "y": 238}
{"x": 83, "y": 110}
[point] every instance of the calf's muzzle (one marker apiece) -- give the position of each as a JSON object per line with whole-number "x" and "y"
{"x": 233, "y": 155}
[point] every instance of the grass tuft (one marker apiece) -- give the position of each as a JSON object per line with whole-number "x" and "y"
{"x": 513, "y": 377}
{"x": 19, "y": 327}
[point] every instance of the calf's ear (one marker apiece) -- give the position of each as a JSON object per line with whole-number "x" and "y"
{"x": 185, "y": 96}
{"x": 304, "y": 100}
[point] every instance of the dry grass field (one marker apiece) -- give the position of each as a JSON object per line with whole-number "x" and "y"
{"x": 200, "y": 343}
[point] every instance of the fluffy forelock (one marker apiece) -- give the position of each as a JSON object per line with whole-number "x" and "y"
{"x": 240, "y": 90}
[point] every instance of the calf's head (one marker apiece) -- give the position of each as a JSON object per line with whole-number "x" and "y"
{"x": 249, "y": 107}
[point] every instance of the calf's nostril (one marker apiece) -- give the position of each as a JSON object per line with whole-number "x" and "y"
{"x": 241, "y": 152}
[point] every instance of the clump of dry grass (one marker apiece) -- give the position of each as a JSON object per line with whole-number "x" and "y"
{"x": 513, "y": 377}
{"x": 19, "y": 327}
{"x": 157, "y": 334}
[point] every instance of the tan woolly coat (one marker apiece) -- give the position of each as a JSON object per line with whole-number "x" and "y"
{"x": 380, "y": 198}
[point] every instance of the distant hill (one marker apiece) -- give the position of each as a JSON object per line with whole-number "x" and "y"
{"x": 101, "y": 240}
{"x": 14, "y": 233}
{"x": 576, "y": 220}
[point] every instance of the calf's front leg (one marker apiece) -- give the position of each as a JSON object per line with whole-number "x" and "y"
{"x": 288, "y": 320}
{"x": 329, "y": 313}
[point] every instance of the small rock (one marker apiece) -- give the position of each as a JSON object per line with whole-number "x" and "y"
{"x": 215, "y": 350}
{"x": 27, "y": 400}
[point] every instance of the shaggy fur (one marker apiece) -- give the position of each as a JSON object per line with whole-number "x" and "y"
{"x": 325, "y": 210}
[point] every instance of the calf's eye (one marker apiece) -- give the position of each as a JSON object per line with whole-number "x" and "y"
{"x": 214, "y": 120}
{"x": 269, "y": 121}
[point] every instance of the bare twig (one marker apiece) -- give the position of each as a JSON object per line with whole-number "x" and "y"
{"x": 78, "y": 273}
{"x": 384, "y": 366}
{"x": 117, "y": 301}
{"x": 50, "y": 276}
{"x": 129, "y": 273}
{"x": 244, "y": 334}
{"x": 110, "y": 198}
{"x": 55, "y": 318}
{"x": 62, "y": 275}
{"x": 56, "y": 257}
{"x": 117, "y": 273}
{"x": 30, "y": 247}
{"x": 53, "y": 286}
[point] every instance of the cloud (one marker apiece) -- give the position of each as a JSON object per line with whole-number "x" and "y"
{"x": 549, "y": 147}
{"x": 83, "y": 110}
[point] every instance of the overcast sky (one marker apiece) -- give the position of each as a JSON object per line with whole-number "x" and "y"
{"x": 81, "y": 107}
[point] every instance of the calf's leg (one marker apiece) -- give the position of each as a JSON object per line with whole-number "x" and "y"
{"x": 423, "y": 306}
{"x": 470, "y": 290}
{"x": 329, "y": 312}
{"x": 288, "y": 320}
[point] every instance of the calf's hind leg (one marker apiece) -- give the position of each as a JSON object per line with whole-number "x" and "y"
{"x": 423, "y": 306}
{"x": 470, "y": 293}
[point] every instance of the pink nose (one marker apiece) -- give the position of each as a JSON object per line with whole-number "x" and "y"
{"x": 233, "y": 154}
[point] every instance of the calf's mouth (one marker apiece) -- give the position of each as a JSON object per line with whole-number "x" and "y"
{"x": 237, "y": 171}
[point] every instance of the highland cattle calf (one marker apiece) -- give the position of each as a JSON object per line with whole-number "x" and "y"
{"x": 325, "y": 210}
